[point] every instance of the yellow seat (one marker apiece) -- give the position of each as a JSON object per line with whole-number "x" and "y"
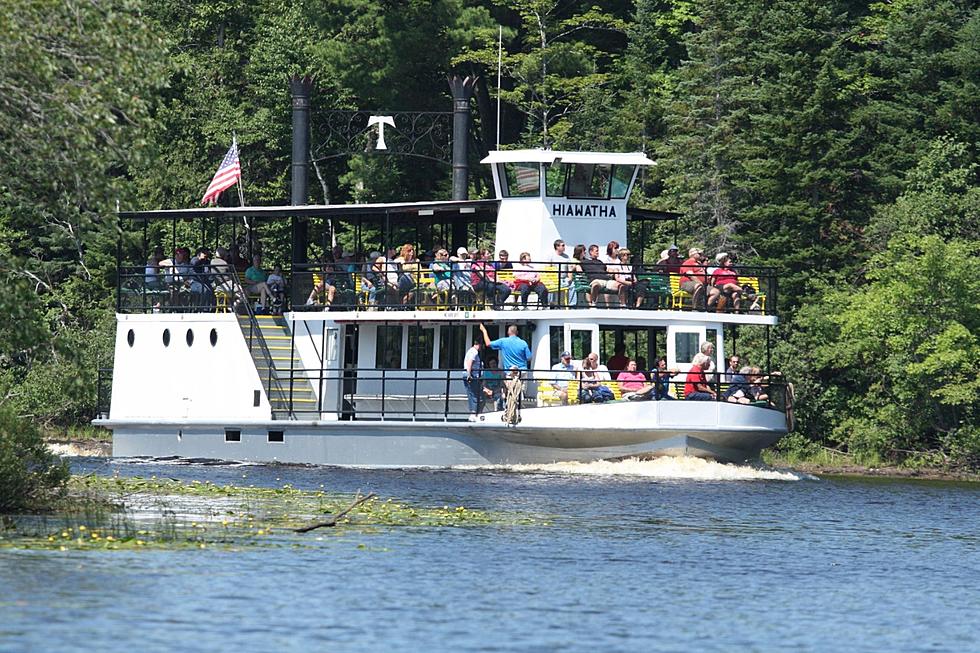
{"x": 760, "y": 296}
{"x": 678, "y": 296}
{"x": 548, "y": 394}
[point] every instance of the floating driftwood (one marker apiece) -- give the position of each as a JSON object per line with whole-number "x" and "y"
{"x": 340, "y": 515}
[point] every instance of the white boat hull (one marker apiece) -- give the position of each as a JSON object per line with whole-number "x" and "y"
{"x": 720, "y": 431}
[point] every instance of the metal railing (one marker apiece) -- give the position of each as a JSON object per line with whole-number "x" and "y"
{"x": 463, "y": 285}
{"x": 440, "y": 395}
{"x": 103, "y": 399}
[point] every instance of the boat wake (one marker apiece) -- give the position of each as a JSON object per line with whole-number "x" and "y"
{"x": 686, "y": 467}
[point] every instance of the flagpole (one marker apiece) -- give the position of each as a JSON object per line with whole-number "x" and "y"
{"x": 241, "y": 193}
{"x": 500, "y": 57}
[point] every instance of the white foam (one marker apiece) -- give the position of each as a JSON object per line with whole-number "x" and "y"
{"x": 667, "y": 467}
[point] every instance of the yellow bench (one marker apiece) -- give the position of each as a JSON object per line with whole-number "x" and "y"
{"x": 548, "y": 275}
{"x": 573, "y": 388}
{"x": 760, "y": 296}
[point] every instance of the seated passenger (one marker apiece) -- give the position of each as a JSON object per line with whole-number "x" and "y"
{"x": 619, "y": 360}
{"x": 732, "y": 369}
{"x": 259, "y": 284}
{"x": 756, "y": 381}
{"x": 599, "y": 278}
{"x": 483, "y": 274}
{"x": 725, "y": 280}
{"x": 631, "y": 379}
{"x": 493, "y": 384}
{"x": 564, "y": 372}
{"x": 625, "y": 279}
{"x": 442, "y": 270}
{"x": 376, "y": 281}
{"x": 325, "y": 285}
{"x": 153, "y": 274}
{"x": 277, "y": 288}
{"x": 503, "y": 261}
{"x": 527, "y": 280}
{"x": 408, "y": 275}
{"x": 591, "y": 376}
{"x": 740, "y": 390}
{"x": 694, "y": 280}
{"x": 696, "y": 387}
{"x": 670, "y": 260}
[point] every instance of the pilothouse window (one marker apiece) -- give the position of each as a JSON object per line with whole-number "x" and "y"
{"x": 521, "y": 179}
{"x": 589, "y": 180}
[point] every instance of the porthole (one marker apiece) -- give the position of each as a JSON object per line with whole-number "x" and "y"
{"x": 190, "y": 337}
{"x": 166, "y": 337}
{"x": 130, "y": 337}
{"x": 214, "y": 337}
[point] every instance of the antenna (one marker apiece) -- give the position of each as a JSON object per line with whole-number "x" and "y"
{"x": 500, "y": 56}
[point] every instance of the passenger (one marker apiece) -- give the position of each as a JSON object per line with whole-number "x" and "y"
{"x": 442, "y": 274}
{"x": 694, "y": 280}
{"x": 473, "y": 380}
{"x": 153, "y": 275}
{"x": 200, "y": 281}
{"x": 326, "y": 283}
{"x": 493, "y": 384}
{"x": 740, "y": 390}
{"x": 503, "y": 261}
{"x": 462, "y": 284}
{"x": 708, "y": 349}
{"x": 661, "y": 379}
{"x": 564, "y": 371}
{"x": 611, "y": 256}
{"x": 408, "y": 273}
{"x": 591, "y": 378}
{"x": 725, "y": 280}
{"x": 756, "y": 380}
{"x": 277, "y": 288}
{"x": 595, "y": 271}
{"x": 375, "y": 281}
{"x": 670, "y": 260}
{"x": 631, "y": 379}
{"x": 565, "y": 269}
{"x": 258, "y": 277}
{"x": 236, "y": 259}
{"x": 625, "y": 279}
{"x": 527, "y": 280}
{"x": 514, "y": 352}
{"x": 619, "y": 359}
{"x": 732, "y": 370}
{"x": 484, "y": 278}
{"x": 696, "y": 387}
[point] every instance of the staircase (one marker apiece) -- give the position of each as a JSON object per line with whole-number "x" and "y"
{"x": 277, "y": 355}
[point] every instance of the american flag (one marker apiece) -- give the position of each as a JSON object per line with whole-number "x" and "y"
{"x": 229, "y": 172}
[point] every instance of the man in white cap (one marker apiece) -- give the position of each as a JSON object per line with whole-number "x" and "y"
{"x": 670, "y": 260}
{"x": 564, "y": 372}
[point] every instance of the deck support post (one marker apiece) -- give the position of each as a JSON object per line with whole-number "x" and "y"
{"x": 300, "y": 89}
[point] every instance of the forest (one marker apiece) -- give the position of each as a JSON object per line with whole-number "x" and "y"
{"x": 831, "y": 139}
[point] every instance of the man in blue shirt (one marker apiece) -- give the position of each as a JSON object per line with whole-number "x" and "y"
{"x": 514, "y": 352}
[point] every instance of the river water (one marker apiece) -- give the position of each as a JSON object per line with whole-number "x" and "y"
{"x": 654, "y": 556}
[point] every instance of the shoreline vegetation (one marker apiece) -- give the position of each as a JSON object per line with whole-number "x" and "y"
{"x": 112, "y": 513}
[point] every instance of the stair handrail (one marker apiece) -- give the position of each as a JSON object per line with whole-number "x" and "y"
{"x": 241, "y": 299}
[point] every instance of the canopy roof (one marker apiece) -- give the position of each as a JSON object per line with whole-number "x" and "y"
{"x": 562, "y": 156}
{"x": 486, "y": 209}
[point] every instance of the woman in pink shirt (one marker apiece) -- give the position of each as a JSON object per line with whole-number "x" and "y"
{"x": 528, "y": 280}
{"x": 631, "y": 380}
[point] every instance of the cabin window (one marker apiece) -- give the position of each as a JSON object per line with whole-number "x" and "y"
{"x": 555, "y": 337}
{"x": 421, "y": 343}
{"x": 189, "y": 337}
{"x": 166, "y": 337}
{"x": 131, "y": 338}
{"x": 554, "y": 179}
{"x": 277, "y": 436}
{"x": 621, "y": 178}
{"x": 233, "y": 435}
{"x": 214, "y": 337}
{"x": 389, "y": 351}
{"x": 686, "y": 344}
{"x": 589, "y": 180}
{"x": 452, "y": 346}
{"x": 521, "y": 180}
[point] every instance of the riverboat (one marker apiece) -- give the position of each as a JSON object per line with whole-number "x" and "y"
{"x": 375, "y": 378}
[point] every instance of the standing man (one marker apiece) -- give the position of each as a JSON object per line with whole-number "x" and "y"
{"x": 563, "y": 262}
{"x": 473, "y": 380}
{"x": 514, "y": 352}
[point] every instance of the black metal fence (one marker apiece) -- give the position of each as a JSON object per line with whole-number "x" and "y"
{"x": 451, "y": 285}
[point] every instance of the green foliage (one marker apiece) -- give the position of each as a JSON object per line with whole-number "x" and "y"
{"x": 30, "y": 475}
